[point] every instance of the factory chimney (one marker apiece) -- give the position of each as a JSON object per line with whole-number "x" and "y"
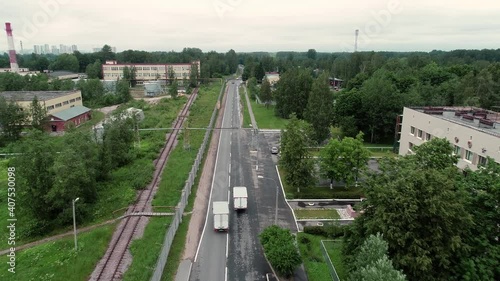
{"x": 356, "y": 34}
{"x": 12, "y": 52}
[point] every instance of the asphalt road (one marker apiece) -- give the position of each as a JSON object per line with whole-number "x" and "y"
{"x": 242, "y": 157}
{"x": 210, "y": 259}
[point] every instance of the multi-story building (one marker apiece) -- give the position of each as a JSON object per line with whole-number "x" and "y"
{"x": 63, "y": 107}
{"x": 473, "y": 132}
{"x": 112, "y": 70}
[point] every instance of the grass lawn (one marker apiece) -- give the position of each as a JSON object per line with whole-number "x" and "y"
{"x": 314, "y": 261}
{"x": 265, "y": 117}
{"x": 319, "y": 192}
{"x": 317, "y": 214}
{"x": 334, "y": 249}
{"x": 145, "y": 251}
{"x": 97, "y": 117}
{"x": 173, "y": 180}
{"x": 58, "y": 261}
{"x": 246, "y": 115}
{"x": 175, "y": 254}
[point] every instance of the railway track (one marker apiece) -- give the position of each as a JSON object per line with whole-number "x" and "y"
{"x": 110, "y": 267}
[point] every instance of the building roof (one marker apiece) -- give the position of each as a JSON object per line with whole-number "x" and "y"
{"x": 71, "y": 113}
{"x": 61, "y": 73}
{"x": 472, "y": 118}
{"x": 30, "y": 95}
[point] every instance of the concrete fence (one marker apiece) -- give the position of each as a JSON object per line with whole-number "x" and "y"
{"x": 186, "y": 191}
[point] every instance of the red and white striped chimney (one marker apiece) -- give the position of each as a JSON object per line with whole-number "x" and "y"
{"x": 12, "y": 51}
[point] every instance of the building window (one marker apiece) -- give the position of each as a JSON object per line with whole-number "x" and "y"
{"x": 457, "y": 150}
{"x": 410, "y": 147}
{"x": 468, "y": 155}
{"x": 482, "y": 161}
{"x": 72, "y": 100}
{"x": 145, "y": 68}
{"x": 58, "y": 105}
{"x": 419, "y": 135}
{"x": 428, "y": 137}
{"x": 66, "y": 102}
{"x": 412, "y": 130}
{"x": 78, "y": 98}
{"x": 50, "y": 107}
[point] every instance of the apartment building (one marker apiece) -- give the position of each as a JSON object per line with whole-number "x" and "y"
{"x": 112, "y": 70}
{"x": 473, "y": 132}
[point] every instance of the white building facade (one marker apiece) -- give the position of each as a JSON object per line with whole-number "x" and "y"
{"x": 112, "y": 70}
{"x": 473, "y": 132}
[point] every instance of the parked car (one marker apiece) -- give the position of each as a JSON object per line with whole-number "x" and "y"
{"x": 274, "y": 150}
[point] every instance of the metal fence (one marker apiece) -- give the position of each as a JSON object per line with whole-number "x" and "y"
{"x": 328, "y": 261}
{"x": 186, "y": 191}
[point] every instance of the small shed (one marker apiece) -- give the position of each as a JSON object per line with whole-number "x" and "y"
{"x": 76, "y": 115}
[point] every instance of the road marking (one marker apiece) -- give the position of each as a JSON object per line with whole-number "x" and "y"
{"x": 228, "y": 195}
{"x": 225, "y": 275}
{"x": 230, "y": 168}
{"x": 256, "y": 167}
{"x": 229, "y": 181}
{"x": 227, "y": 245}
{"x": 210, "y": 196}
{"x": 229, "y": 154}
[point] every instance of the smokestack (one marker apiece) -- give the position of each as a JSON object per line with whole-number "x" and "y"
{"x": 356, "y": 40}
{"x": 12, "y": 51}
{"x": 22, "y": 50}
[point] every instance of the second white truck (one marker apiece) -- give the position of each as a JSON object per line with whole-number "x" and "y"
{"x": 240, "y": 197}
{"x": 221, "y": 215}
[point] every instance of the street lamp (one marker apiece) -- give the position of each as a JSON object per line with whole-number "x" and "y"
{"x": 276, "y": 207}
{"x": 74, "y": 220}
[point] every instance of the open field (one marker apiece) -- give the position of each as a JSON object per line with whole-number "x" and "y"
{"x": 265, "y": 117}
{"x": 58, "y": 261}
{"x": 317, "y": 214}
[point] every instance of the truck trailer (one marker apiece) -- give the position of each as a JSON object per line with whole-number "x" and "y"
{"x": 240, "y": 197}
{"x": 221, "y": 215}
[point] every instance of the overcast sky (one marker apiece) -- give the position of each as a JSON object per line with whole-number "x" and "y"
{"x": 255, "y": 25}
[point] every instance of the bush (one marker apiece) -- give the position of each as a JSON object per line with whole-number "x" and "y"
{"x": 315, "y": 230}
{"x": 332, "y": 230}
{"x": 279, "y": 247}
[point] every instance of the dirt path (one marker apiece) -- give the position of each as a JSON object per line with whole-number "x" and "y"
{"x": 203, "y": 192}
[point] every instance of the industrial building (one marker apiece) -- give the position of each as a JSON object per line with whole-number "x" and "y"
{"x": 62, "y": 106}
{"x": 473, "y": 132}
{"x": 272, "y": 78}
{"x": 112, "y": 70}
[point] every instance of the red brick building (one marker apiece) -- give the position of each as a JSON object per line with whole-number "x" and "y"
{"x": 77, "y": 115}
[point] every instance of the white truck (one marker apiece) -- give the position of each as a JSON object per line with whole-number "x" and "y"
{"x": 221, "y": 215}
{"x": 240, "y": 197}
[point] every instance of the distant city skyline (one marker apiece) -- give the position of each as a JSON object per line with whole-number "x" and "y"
{"x": 257, "y": 25}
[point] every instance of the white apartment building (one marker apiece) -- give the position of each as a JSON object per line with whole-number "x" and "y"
{"x": 112, "y": 70}
{"x": 473, "y": 132}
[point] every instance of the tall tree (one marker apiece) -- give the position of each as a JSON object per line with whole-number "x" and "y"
{"x": 65, "y": 62}
{"x": 171, "y": 74}
{"x": 292, "y": 93}
{"x": 319, "y": 111}
{"x": 311, "y": 54}
{"x": 123, "y": 91}
{"x": 173, "y": 90}
{"x": 372, "y": 262}
{"x": 38, "y": 115}
{"x": 422, "y": 215}
{"x": 265, "y": 92}
{"x": 344, "y": 160}
{"x": 295, "y": 155}
{"x": 12, "y": 119}
{"x": 482, "y": 186}
{"x": 193, "y": 76}
{"x": 94, "y": 70}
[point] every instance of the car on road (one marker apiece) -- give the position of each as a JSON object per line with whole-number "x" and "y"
{"x": 274, "y": 150}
